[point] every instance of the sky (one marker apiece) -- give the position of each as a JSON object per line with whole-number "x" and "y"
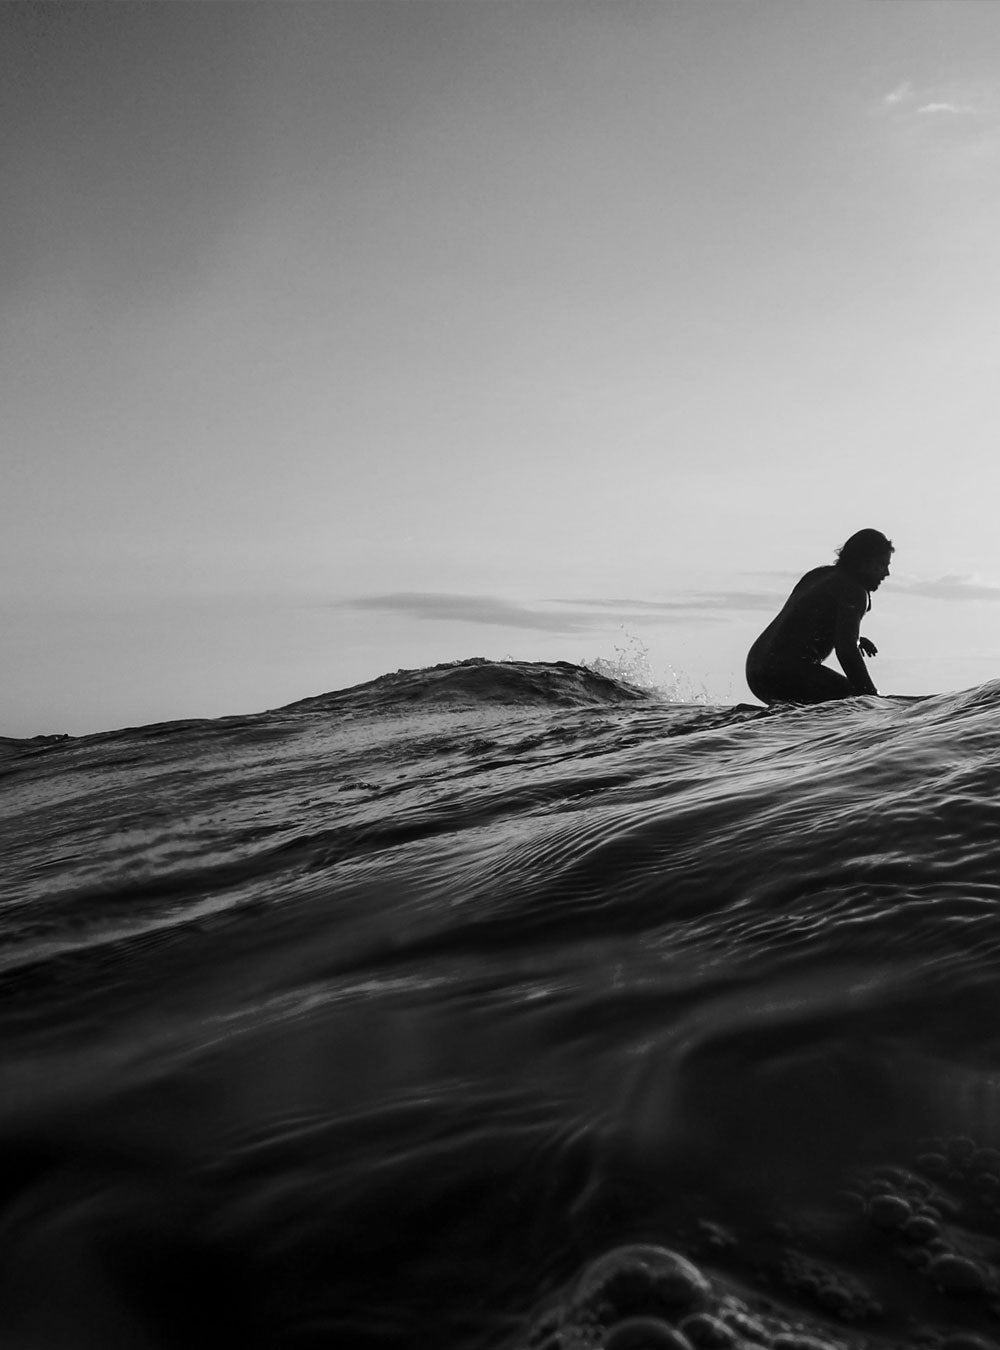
{"x": 338, "y": 338}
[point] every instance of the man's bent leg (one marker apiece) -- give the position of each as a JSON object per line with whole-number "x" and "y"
{"x": 799, "y": 684}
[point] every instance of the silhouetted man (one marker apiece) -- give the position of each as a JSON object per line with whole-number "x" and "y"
{"x": 823, "y": 614}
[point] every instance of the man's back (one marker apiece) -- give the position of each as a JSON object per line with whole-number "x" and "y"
{"x": 806, "y": 627}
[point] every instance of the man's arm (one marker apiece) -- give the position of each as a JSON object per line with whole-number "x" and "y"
{"x": 850, "y": 612}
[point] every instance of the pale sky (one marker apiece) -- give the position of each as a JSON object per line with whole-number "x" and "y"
{"x": 337, "y": 338}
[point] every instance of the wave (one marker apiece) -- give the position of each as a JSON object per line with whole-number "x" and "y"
{"x": 540, "y": 684}
{"x": 505, "y": 1004}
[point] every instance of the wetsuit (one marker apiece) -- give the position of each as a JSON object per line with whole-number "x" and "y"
{"x": 823, "y": 613}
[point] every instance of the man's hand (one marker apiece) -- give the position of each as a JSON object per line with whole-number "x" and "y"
{"x": 866, "y": 647}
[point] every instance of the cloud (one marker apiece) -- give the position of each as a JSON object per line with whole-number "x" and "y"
{"x": 946, "y": 108}
{"x": 906, "y": 98}
{"x": 481, "y": 609}
{"x": 899, "y": 94}
{"x": 695, "y": 600}
{"x": 940, "y": 103}
{"x": 954, "y": 586}
{"x": 582, "y": 614}
{"x": 950, "y": 128}
{"x": 566, "y": 615}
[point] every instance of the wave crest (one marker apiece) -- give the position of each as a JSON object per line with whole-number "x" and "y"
{"x": 479, "y": 680}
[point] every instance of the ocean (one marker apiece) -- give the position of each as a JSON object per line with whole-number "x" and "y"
{"x": 504, "y": 1006}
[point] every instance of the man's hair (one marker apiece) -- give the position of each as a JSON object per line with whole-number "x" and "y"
{"x": 864, "y": 545}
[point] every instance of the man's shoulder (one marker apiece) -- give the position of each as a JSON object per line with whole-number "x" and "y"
{"x": 836, "y": 582}
{"x": 819, "y": 579}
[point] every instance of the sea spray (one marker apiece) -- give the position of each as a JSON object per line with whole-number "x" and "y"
{"x": 630, "y": 662}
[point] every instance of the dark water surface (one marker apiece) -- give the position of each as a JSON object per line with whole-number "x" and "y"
{"x": 380, "y": 1019}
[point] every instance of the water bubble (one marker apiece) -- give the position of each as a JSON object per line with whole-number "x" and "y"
{"x": 645, "y": 1333}
{"x": 641, "y": 1280}
{"x": 956, "y": 1274}
{"x": 889, "y": 1211}
{"x": 921, "y": 1228}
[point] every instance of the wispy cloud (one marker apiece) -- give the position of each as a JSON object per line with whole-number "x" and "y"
{"x": 946, "y": 107}
{"x": 694, "y": 600}
{"x": 898, "y": 95}
{"x": 581, "y": 614}
{"x": 955, "y": 586}
{"x": 567, "y": 615}
{"x": 949, "y": 129}
{"x": 906, "y": 103}
{"x": 480, "y": 609}
{"x": 931, "y": 99}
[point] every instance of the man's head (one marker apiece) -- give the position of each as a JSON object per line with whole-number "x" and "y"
{"x": 867, "y": 554}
